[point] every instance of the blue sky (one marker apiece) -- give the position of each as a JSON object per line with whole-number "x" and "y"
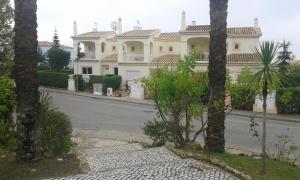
{"x": 278, "y": 19}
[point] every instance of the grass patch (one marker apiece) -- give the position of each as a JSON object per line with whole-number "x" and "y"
{"x": 45, "y": 168}
{"x": 276, "y": 170}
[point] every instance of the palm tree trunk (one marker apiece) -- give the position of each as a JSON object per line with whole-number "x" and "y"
{"x": 264, "y": 153}
{"x": 215, "y": 141}
{"x": 26, "y": 80}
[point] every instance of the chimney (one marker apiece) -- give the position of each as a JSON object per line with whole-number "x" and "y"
{"x": 256, "y": 22}
{"x": 75, "y": 33}
{"x": 120, "y": 26}
{"x": 194, "y": 23}
{"x": 183, "y": 21}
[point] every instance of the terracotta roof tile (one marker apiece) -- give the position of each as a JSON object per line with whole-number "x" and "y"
{"x": 173, "y": 36}
{"x": 243, "y": 58}
{"x": 138, "y": 33}
{"x": 233, "y": 31}
{"x": 166, "y": 59}
{"x": 95, "y": 34}
{"x": 231, "y": 59}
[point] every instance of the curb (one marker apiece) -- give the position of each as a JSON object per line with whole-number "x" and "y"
{"x": 95, "y": 96}
{"x": 116, "y": 99}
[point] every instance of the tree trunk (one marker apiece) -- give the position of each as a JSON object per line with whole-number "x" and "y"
{"x": 264, "y": 137}
{"x": 215, "y": 141}
{"x": 26, "y": 80}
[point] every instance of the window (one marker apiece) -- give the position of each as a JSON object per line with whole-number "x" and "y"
{"x": 87, "y": 70}
{"x": 114, "y": 48}
{"x": 160, "y": 48}
{"x": 132, "y": 48}
{"x": 236, "y": 46}
{"x": 170, "y": 48}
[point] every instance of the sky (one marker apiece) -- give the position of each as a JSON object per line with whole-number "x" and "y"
{"x": 278, "y": 19}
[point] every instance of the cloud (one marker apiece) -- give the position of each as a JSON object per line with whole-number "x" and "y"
{"x": 278, "y": 19}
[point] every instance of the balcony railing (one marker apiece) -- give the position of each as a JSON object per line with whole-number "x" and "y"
{"x": 133, "y": 57}
{"x": 89, "y": 55}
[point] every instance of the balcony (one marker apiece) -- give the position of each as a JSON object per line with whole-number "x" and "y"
{"x": 88, "y": 56}
{"x": 133, "y": 57}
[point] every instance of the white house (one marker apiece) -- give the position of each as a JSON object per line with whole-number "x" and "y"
{"x": 135, "y": 53}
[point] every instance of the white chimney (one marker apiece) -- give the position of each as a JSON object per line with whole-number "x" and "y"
{"x": 75, "y": 32}
{"x": 120, "y": 26}
{"x": 256, "y": 22}
{"x": 183, "y": 21}
{"x": 194, "y": 23}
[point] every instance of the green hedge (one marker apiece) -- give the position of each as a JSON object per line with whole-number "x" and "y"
{"x": 288, "y": 100}
{"x": 110, "y": 81}
{"x": 53, "y": 79}
{"x": 96, "y": 79}
{"x": 43, "y": 68}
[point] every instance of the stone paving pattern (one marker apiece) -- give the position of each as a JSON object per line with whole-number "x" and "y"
{"x": 123, "y": 161}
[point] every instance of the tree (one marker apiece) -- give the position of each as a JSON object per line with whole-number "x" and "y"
{"x": 284, "y": 56}
{"x": 215, "y": 140}
{"x": 265, "y": 78}
{"x": 283, "y": 60}
{"x": 25, "y": 47}
{"x": 58, "y": 58}
{"x": 55, "y": 42}
{"x": 6, "y": 31}
{"x": 177, "y": 95}
{"x": 41, "y": 56}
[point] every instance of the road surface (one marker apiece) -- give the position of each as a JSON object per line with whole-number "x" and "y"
{"x": 103, "y": 115}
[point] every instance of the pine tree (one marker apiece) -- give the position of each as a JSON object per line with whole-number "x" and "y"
{"x": 6, "y": 31}
{"x": 55, "y": 42}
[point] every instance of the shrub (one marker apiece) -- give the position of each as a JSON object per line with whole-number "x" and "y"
{"x": 67, "y": 71}
{"x": 56, "y": 132}
{"x": 111, "y": 81}
{"x": 242, "y": 97}
{"x": 53, "y": 79}
{"x": 43, "y": 68}
{"x": 96, "y": 79}
{"x": 55, "y": 127}
{"x": 156, "y": 130}
{"x": 7, "y": 137}
{"x": 288, "y": 100}
{"x": 7, "y": 97}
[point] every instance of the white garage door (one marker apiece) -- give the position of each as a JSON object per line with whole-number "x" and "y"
{"x": 131, "y": 75}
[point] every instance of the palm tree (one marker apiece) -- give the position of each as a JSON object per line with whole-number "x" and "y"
{"x": 26, "y": 57}
{"x": 215, "y": 141}
{"x": 265, "y": 78}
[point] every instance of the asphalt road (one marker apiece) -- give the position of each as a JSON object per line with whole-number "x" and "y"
{"x": 102, "y": 115}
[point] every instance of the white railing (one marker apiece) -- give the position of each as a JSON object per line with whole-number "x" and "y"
{"x": 89, "y": 55}
{"x": 133, "y": 57}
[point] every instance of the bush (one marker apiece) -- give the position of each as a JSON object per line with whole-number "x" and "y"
{"x": 7, "y": 97}
{"x": 53, "y": 79}
{"x": 43, "y": 68}
{"x": 156, "y": 130}
{"x": 288, "y": 100}
{"x": 242, "y": 97}
{"x": 111, "y": 81}
{"x": 55, "y": 127}
{"x": 67, "y": 71}
{"x": 96, "y": 79}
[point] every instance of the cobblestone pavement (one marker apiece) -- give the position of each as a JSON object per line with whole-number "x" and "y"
{"x": 118, "y": 160}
